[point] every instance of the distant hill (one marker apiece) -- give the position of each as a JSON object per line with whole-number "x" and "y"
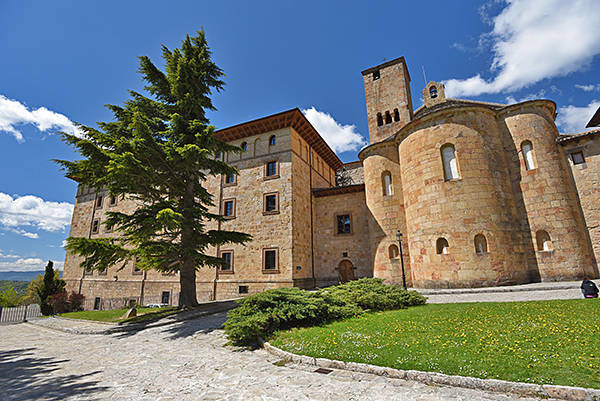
{"x": 20, "y": 276}
{"x": 19, "y": 286}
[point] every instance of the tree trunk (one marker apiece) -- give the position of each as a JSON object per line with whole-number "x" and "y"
{"x": 187, "y": 272}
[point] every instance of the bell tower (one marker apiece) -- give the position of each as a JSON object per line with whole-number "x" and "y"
{"x": 389, "y": 104}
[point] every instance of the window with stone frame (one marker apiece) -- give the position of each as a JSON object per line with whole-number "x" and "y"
{"x": 272, "y": 140}
{"x": 376, "y": 75}
{"x": 270, "y": 259}
{"x": 227, "y": 256}
{"x": 272, "y": 169}
{"x": 481, "y": 247}
{"x": 543, "y": 241}
{"x": 577, "y": 157}
{"x": 112, "y": 201}
{"x": 95, "y": 226}
{"x": 244, "y": 146}
{"x": 388, "y": 117}
{"x": 528, "y": 156}
{"x": 229, "y": 208}
{"x": 379, "y": 120}
{"x": 441, "y": 246}
{"x": 433, "y": 92}
{"x": 271, "y": 203}
{"x": 99, "y": 201}
{"x": 449, "y": 162}
{"x": 393, "y": 251}
{"x": 136, "y": 269}
{"x": 344, "y": 224}
{"x": 386, "y": 179}
{"x": 229, "y": 180}
{"x": 396, "y": 115}
{"x": 165, "y": 298}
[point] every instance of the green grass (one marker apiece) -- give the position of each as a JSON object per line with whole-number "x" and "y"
{"x": 545, "y": 342}
{"x": 115, "y": 315}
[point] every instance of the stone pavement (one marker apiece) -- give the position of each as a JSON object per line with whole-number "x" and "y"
{"x": 181, "y": 361}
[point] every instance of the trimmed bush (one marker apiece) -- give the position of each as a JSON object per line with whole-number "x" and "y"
{"x": 263, "y": 314}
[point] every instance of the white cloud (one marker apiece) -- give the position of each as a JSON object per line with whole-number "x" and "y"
{"x": 588, "y": 88}
{"x": 7, "y": 256}
{"x": 13, "y": 113}
{"x": 572, "y": 119}
{"x": 341, "y": 138}
{"x": 22, "y": 264}
{"x": 533, "y": 40}
{"x": 32, "y": 211}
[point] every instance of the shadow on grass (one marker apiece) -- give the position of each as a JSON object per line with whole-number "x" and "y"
{"x": 23, "y": 376}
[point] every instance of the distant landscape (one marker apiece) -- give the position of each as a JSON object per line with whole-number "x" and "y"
{"x": 19, "y": 286}
{"x": 21, "y": 276}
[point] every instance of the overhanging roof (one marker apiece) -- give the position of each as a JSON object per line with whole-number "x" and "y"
{"x": 320, "y": 192}
{"x": 564, "y": 138}
{"x": 595, "y": 121}
{"x": 293, "y": 118}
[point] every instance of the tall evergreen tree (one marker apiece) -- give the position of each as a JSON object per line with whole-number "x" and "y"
{"x": 159, "y": 151}
{"x": 50, "y": 286}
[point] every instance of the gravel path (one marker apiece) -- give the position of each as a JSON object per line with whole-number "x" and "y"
{"x": 182, "y": 361}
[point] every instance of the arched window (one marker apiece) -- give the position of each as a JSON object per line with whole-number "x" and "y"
{"x": 543, "y": 241}
{"x": 527, "y": 150}
{"x": 393, "y": 251}
{"x": 272, "y": 140}
{"x": 379, "y": 120}
{"x": 441, "y": 246}
{"x": 396, "y": 115}
{"x": 433, "y": 92}
{"x": 386, "y": 180}
{"x": 244, "y": 146}
{"x": 388, "y": 117}
{"x": 449, "y": 162}
{"x": 480, "y": 244}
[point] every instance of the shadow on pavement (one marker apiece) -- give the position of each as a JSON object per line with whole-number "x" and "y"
{"x": 23, "y": 376}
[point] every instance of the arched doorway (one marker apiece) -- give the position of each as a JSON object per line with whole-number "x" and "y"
{"x": 346, "y": 270}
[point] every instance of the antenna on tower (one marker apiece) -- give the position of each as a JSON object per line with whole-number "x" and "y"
{"x": 424, "y": 76}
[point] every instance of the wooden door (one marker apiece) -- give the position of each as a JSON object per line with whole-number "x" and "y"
{"x": 346, "y": 270}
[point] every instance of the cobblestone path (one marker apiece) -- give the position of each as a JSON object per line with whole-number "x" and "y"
{"x": 181, "y": 361}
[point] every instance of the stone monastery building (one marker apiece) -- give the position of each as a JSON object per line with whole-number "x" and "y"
{"x": 484, "y": 194}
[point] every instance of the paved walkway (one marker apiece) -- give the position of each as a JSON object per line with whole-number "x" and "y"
{"x": 180, "y": 361}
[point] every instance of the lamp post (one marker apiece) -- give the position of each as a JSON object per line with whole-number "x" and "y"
{"x": 399, "y": 238}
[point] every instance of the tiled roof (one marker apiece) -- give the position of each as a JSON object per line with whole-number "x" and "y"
{"x": 563, "y": 138}
{"x": 320, "y": 192}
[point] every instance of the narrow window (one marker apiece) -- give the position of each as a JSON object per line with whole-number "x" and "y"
{"x": 99, "y": 200}
{"x": 393, "y": 251}
{"x": 379, "y": 120}
{"x": 387, "y": 183}
{"x": 230, "y": 179}
{"x": 95, "y": 226}
{"x": 112, "y": 201}
{"x": 243, "y": 289}
{"x": 165, "y": 298}
{"x": 271, "y": 203}
{"x": 527, "y": 150}
{"x": 271, "y": 169}
{"x": 433, "y": 92}
{"x": 227, "y": 257}
{"x": 229, "y": 208}
{"x": 376, "y": 75}
{"x": 543, "y": 241}
{"x": 480, "y": 244}
{"x": 441, "y": 246}
{"x": 97, "y": 302}
{"x": 220, "y": 155}
{"x": 244, "y": 146}
{"x": 396, "y": 115}
{"x": 272, "y": 140}
{"x": 449, "y": 162}
{"x": 270, "y": 259}
{"x": 388, "y": 117}
{"x": 577, "y": 157}
{"x": 344, "y": 224}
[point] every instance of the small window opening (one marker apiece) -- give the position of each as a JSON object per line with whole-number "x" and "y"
{"x": 344, "y": 224}
{"x": 441, "y": 246}
{"x": 480, "y": 244}
{"x": 97, "y": 302}
{"x": 244, "y": 146}
{"x": 527, "y": 150}
{"x": 230, "y": 179}
{"x": 376, "y": 75}
{"x": 344, "y": 254}
{"x": 272, "y": 140}
{"x": 270, "y": 259}
{"x": 379, "y": 120}
{"x": 165, "y": 298}
{"x": 449, "y": 162}
{"x": 396, "y": 115}
{"x": 387, "y": 183}
{"x": 243, "y": 289}
{"x": 112, "y": 201}
{"x": 393, "y": 251}
{"x": 99, "y": 200}
{"x": 227, "y": 257}
{"x": 388, "y": 117}
{"x": 95, "y": 226}
{"x": 543, "y": 241}
{"x": 433, "y": 92}
{"x": 577, "y": 157}
{"x": 271, "y": 203}
{"x": 228, "y": 208}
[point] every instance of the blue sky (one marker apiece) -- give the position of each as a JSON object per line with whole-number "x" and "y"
{"x": 63, "y": 60}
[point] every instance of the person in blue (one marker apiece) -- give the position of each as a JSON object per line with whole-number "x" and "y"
{"x": 589, "y": 289}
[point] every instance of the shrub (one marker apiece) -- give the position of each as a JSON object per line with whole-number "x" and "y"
{"x": 59, "y": 302}
{"x": 262, "y": 314}
{"x": 76, "y": 302}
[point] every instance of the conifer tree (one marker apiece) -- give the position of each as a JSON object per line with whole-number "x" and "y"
{"x": 50, "y": 285}
{"x": 159, "y": 151}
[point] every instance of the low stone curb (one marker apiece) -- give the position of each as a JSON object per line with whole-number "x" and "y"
{"x": 453, "y": 291}
{"x": 501, "y": 386}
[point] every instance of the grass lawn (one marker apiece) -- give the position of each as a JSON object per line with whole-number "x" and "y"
{"x": 115, "y": 315}
{"x": 549, "y": 342}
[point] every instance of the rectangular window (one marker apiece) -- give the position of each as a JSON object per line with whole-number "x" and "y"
{"x": 95, "y": 226}
{"x": 376, "y": 75}
{"x": 165, "y": 298}
{"x": 97, "y": 302}
{"x": 271, "y": 169}
{"x": 344, "y": 224}
{"x": 577, "y": 157}
{"x": 230, "y": 180}
{"x": 99, "y": 200}
{"x": 243, "y": 289}
{"x": 229, "y": 207}
{"x": 112, "y": 201}
{"x": 270, "y": 260}
{"x": 227, "y": 256}
{"x": 271, "y": 203}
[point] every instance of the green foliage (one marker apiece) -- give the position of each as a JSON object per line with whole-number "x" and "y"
{"x": 19, "y": 286}
{"x": 159, "y": 151}
{"x": 34, "y": 286}
{"x": 64, "y": 302}
{"x": 262, "y": 314}
{"x": 49, "y": 286}
{"x": 10, "y": 297}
